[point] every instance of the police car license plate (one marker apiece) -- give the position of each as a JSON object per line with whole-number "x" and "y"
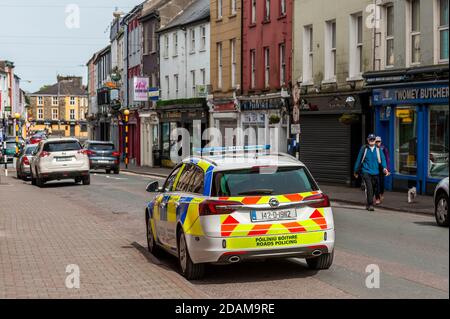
{"x": 272, "y": 215}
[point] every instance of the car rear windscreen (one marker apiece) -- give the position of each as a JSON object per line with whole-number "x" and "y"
{"x": 30, "y": 150}
{"x": 256, "y": 182}
{"x": 10, "y": 145}
{"x": 101, "y": 147}
{"x": 62, "y": 146}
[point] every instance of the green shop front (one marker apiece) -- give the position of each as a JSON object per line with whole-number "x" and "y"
{"x": 413, "y": 120}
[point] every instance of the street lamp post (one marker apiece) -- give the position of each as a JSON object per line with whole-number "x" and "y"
{"x": 126, "y": 113}
{"x": 17, "y": 118}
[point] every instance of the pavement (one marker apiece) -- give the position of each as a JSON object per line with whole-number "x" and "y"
{"x": 101, "y": 229}
{"x": 397, "y": 201}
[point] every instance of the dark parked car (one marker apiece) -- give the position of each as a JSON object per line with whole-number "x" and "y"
{"x": 103, "y": 155}
{"x": 10, "y": 150}
{"x": 23, "y": 168}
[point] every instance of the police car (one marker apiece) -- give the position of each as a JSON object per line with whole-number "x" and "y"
{"x": 237, "y": 206}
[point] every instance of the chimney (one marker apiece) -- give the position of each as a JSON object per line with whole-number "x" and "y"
{"x": 77, "y": 81}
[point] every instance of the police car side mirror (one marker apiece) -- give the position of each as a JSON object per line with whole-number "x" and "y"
{"x": 153, "y": 187}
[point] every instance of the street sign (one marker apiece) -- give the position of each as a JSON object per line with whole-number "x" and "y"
{"x": 295, "y": 129}
{"x": 7, "y": 108}
{"x": 153, "y": 94}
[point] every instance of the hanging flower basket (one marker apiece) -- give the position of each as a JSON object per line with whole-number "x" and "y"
{"x": 274, "y": 119}
{"x": 348, "y": 119}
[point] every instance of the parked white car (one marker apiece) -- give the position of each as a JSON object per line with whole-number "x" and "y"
{"x": 58, "y": 159}
{"x": 441, "y": 203}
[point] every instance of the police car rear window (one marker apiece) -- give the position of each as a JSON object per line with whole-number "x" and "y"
{"x": 251, "y": 182}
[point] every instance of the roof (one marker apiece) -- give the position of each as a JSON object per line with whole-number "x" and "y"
{"x": 62, "y": 88}
{"x": 243, "y": 161}
{"x": 199, "y": 10}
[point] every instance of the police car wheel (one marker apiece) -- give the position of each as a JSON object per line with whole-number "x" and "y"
{"x": 322, "y": 262}
{"x": 152, "y": 246}
{"x": 189, "y": 270}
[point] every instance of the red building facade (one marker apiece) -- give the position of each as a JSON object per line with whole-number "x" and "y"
{"x": 266, "y": 71}
{"x": 267, "y": 34}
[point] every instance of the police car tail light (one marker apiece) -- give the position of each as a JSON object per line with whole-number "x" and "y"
{"x": 318, "y": 201}
{"x": 217, "y": 207}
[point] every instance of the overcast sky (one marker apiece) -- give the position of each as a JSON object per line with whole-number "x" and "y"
{"x": 44, "y": 40}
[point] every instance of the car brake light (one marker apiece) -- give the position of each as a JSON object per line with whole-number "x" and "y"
{"x": 116, "y": 154}
{"x": 217, "y": 207}
{"x": 26, "y": 161}
{"x": 86, "y": 152}
{"x": 44, "y": 154}
{"x": 322, "y": 200}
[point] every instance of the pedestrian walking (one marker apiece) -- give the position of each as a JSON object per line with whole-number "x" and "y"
{"x": 384, "y": 149}
{"x": 368, "y": 165}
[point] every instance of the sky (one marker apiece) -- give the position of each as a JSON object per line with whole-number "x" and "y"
{"x": 45, "y": 38}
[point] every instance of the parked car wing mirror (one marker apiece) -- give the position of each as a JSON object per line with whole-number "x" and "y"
{"x": 153, "y": 187}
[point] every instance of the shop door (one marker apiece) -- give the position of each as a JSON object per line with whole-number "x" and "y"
{"x": 72, "y": 130}
{"x": 325, "y": 148}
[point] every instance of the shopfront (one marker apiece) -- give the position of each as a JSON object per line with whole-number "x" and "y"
{"x": 193, "y": 118}
{"x": 333, "y": 127}
{"x": 225, "y": 116}
{"x": 413, "y": 120}
{"x": 265, "y": 121}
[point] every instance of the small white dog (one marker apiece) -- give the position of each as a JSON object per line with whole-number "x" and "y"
{"x": 412, "y": 194}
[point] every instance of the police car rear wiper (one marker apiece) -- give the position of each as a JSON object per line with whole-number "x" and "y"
{"x": 258, "y": 192}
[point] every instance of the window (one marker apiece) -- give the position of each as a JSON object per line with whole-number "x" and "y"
{"x": 168, "y": 186}
{"x": 233, "y": 62}
{"x": 219, "y": 65}
{"x": 167, "y": 87}
{"x": 192, "y": 40}
{"x": 242, "y": 182}
{"x": 40, "y": 114}
{"x": 356, "y": 45}
{"x": 219, "y": 9}
{"x": 40, "y": 100}
{"x": 82, "y": 114}
{"x": 282, "y": 64}
{"x": 54, "y": 114}
{"x": 330, "y": 51}
{"x": 253, "y": 68}
{"x": 193, "y": 83}
{"x": 54, "y": 101}
{"x": 282, "y": 7}
{"x": 442, "y": 30}
{"x": 390, "y": 35}
{"x": 72, "y": 100}
{"x": 266, "y": 67}
{"x": 267, "y": 10}
{"x": 166, "y": 46}
{"x": 307, "y": 54}
{"x": 175, "y": 80}
{"x": 414, "y": 31}
{"x": 253, "y": 21}
{"x": 233, "y": 7}
{"x": 72, "y": 114}
{"x": 406, "y": 140}
{"x": 175, "y": 44}
{"x": 203, "y": 73}
{"x": 439, "y": 141}
{"x": 203, "y": 40}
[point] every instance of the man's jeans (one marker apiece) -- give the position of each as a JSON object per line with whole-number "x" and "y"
{"x": 372, "y": 188}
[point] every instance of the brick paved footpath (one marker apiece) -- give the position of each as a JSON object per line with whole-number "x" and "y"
{"x": 41, "y": 233}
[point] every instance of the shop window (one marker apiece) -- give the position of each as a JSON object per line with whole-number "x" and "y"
{"x": 439, "y": 141}
{"x": 406, "y": 140}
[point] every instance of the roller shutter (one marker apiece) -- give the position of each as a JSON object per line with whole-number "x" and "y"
{"x": 325, "y": 148}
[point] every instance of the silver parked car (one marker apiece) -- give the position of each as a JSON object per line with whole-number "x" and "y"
{"x": 441, "y": 203}
{"x": 23, "y": 168}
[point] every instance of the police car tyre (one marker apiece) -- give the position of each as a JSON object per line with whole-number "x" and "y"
{"x": 87, "y": 180}
{"x": 441, "y": 210}
{"x": 322, "y": 262}
{"x": 152, "y": 246}
{"x": 188, "y": 269}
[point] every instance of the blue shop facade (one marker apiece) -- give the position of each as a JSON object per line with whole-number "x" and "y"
{"x": 413, "y": 120}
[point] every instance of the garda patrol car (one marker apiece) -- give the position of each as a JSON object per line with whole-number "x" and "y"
{"x": 232, "y": 207}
